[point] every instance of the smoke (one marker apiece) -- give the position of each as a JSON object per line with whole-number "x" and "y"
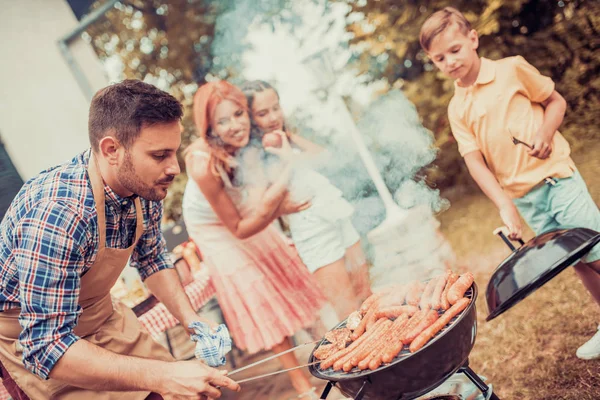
{"x": 389, "y": 124}
{"x": 401, "y": 148}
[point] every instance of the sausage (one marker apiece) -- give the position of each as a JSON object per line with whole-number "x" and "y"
{"x": 396, "y": 345}
{"x": 436, "y": 297}
{"x": 376, "y": 359}
{"x": 343, "y": 352}
{"x": 413, "y": 295}
{"x": 362, "y": 326}
{"x": 368, "y": 347}
{"x": 451, "y": 279}
{"x": 396, "y": 311}
{"x": 437, "y": 326}
{"x": 362, "y": 351}
{"x": 367, "y": 337}
{"x": 457, "y": 291}
{"x": 372, "y": 318}
{"x": 395, "y": 297}
{"x": 382, "y": 342}
{"x": 409, "y": 335}
{"x": 376, "y": 347}
{"x": 425, "y": 302}
{"x": 366, "y": 305}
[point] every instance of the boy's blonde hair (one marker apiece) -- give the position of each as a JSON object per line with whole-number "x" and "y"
{"x": 438, "y": 22}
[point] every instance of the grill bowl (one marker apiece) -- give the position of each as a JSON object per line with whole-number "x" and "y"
{"x": 411, "y": 375}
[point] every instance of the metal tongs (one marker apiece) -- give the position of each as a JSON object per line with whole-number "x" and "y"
{"x": 271, "y": 358}
{"x": 548, "y": 180}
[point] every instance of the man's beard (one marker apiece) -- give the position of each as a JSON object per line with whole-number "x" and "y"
{"x": 129, "y": 179}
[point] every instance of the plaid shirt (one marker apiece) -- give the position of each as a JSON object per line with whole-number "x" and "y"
{"x": 49, "y": 239}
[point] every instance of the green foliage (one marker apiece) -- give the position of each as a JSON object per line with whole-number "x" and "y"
{"x": 178, "y": 44}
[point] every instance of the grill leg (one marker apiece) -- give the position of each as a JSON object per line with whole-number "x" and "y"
{"x": 326, "y": 390}
{"x": 361, "y": 392}
{"x": 478, "y": 382}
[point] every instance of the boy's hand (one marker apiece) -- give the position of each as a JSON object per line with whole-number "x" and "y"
{"x": 542, "y": 146}
{"x": 510, "y": 217}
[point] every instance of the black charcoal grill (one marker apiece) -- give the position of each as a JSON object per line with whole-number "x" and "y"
{"x": 411, "y": 375}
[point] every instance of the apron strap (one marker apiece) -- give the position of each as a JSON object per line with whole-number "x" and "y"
{"x": 139, "y": 215}
{"x": 98, "y": 191}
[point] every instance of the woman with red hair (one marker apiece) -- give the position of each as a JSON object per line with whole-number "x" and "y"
{"x": 265, "y": 292}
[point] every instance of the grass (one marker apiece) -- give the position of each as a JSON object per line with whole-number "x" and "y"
{"x": 529, "y": 351}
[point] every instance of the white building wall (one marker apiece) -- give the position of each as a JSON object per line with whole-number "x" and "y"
{"x": 43, "y": 111}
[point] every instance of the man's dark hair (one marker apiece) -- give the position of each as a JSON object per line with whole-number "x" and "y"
{"x": 122, "y": 109}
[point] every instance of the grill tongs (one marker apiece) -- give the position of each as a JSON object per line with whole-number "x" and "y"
{"x": 271, "y": 358}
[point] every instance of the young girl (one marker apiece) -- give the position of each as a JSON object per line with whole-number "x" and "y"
{"x": 323, "y": 234}
{"x": 265, "y": 292}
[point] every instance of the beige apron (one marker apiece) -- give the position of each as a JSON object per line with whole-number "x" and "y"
{"x": 111, "y": 326}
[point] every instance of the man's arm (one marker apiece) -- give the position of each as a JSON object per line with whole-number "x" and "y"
{"x": 167, "y": 288}
{"x": 100, "y": 369}
{"x": 52, "y": 241}
{"x": 554, "y": 113}
{"x": 492, "y": 189}
{"x": 156, "y": 269}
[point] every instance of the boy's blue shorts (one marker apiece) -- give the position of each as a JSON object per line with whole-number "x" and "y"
{"x": 568, "y": 204}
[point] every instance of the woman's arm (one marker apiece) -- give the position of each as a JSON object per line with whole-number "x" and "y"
{"x": 268, "y": 209}
{"x": 305, "y": 144}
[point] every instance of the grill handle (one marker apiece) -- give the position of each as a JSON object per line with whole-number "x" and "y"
{"x": 505, "y": 239}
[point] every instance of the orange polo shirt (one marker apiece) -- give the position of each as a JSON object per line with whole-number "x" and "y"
{"x": 503, "y": 102}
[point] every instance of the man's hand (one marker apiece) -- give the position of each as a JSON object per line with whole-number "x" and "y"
{"x": 194, "y": 379}
{"x": 542, "y": 146}
{"x": 511, "y": 218}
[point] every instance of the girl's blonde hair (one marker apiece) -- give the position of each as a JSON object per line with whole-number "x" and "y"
{"x": 206, "y": 100}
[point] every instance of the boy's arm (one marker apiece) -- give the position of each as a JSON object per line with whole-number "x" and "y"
{"x": 492, "y": 189}
{"x": 554, "y": 112}
{"x": 540, "y": 89}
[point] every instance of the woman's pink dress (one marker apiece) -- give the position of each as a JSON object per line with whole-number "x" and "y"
{"x": 264, "y": 290}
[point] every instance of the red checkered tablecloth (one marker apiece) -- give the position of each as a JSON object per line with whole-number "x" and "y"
{"x": 158, "y": 319}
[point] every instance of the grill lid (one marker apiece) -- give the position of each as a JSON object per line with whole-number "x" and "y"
{"x": 534, "y": 263}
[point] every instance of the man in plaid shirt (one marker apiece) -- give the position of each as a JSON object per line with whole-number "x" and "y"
{"x": 63, "y": 244}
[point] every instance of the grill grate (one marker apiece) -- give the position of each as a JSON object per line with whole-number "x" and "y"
{"x": 405, "y": 353}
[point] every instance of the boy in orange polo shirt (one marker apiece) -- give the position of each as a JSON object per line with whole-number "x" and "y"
{"x": 504, "y": 116}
